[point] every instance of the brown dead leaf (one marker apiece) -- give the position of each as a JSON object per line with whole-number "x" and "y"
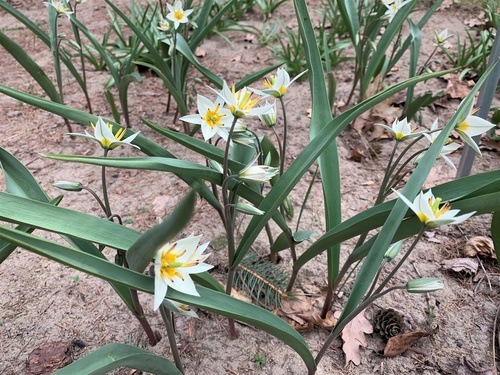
{"x": 329, "y": 321}
{"x": 200, "y": 52}
{"x": 399, "y": 344}
{"x": 446, "y": 4}
{"x": 353, "y": 336}
{"x": 482, "y": 246}
{"x": 299, "y": 311}
{"x": 478, "y": 21}
{"x": 236, "y": 58}
{"x": 239, "y": 295}
{"x": 357, "y": 154}
{"x": 456, "y": 88}
{"x": 467, "y": 266}
{"x": 48, "y": 357}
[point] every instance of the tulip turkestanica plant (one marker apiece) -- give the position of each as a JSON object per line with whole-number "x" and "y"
{"x": 245, "y": 175}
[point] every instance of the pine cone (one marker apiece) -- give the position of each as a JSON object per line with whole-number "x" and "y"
{"x": 388, "y": 323}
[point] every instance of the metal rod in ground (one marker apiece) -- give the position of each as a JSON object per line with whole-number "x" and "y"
{"x": 484, "y": 103}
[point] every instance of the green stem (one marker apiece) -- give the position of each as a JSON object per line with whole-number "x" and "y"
{"x": 105, "y": 188}
{"x": 99, "y": 200}
{"x": 167, "y": 317}
{"x": 285, "y": 136}
{"x": 228, "y": 222}
{"x": 400, "y": 263}
{"x": 139, "y": 314}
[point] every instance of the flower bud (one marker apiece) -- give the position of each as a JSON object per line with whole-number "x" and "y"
{"x": 424, "y": 285}
{"x": 248, "y": 209}
{"x": 393, "y": 251}
{"x": 68, "y": 185}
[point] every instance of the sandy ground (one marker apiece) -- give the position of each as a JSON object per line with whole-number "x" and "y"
{"x": 43, "y": 302}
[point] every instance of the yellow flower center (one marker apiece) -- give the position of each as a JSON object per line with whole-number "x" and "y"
{"x": 435, "y": 209}
{"x": 178, "y": 15}
{"x": 119, "y": 134}
{"x": 269, "y": 82}
{"x": 245, "y": 99}
{"x": 169, "y": 264}
{"x": 398, "y": 135}
{"x": 213, "y": 117}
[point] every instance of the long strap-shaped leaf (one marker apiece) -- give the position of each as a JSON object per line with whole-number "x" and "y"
{"x": 322, "y": 115}
{"x": 209, "y": 300}
{"x": 177, "y": 166}
{"x": 155, "y": 56}
{"x": 374, "y": 217}
{"x": 114, "y": 356}
{"x": 310, "y": 153}
{"x": 30, "y": 66}
{"x": 386, "y": 235}
{"x": 147, "y": 146}
{"x": 64, "y": 221}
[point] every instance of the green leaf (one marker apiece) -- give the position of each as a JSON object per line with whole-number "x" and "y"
{"x": 114, "y": 356}
{"x": 219, "y": 303}
{"x": 328, "y": 161}
{"x": 201, "y": 147}
{"x": 183, "y": 47}
{"x": 177, "y": 166}
{"x": 64, "y": 221}
{"x": 308, "y": 155}
{"x": 30, "y": 66}
{"x": 147, "y": 146}
{"x": 281, "y": 242}
{"x": 388, "y": 37}
{"x": 143, "y": 250}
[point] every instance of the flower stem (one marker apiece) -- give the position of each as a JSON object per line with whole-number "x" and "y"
{"x": 167, "y": 317}
{"x": 105, "y": 189}
{"x": 228, "y": 222}
{"x": 401, "y": 262}
{"x": 139, "y": 314}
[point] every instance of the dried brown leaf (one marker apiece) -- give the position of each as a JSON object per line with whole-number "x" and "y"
{"x": 329, "y": 321}
{"x": 48, "y": 357}
{"x": 357, "y": 154}
{"x": 468, "y": 266}
{"x": 399, "y": 344}
{"x": 456, "y": 88}
{"x": 482, "y": 246}
{"x": 200, "y": 52}
{"x": 353, "y": 336}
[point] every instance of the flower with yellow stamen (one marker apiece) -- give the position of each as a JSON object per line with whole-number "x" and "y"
{"x": 213, "y": 118}
{"x": 60, "y": 7}
{"x": 178, "y": 15}
{"x": 448, "y": 147}
{"x": 103, "y": 134}
{"x": 173, "y": 265}
{"x": 393, "y": 7}
{"x": 278, "y": 84}
{"x": 469, "y": 126}
{"x": 242, "y": 103}
{"x": 401, "y": 130}
{"x": 427, "y": 209}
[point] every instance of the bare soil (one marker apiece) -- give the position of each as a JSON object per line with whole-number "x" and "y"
{"x": 43, "y": 302}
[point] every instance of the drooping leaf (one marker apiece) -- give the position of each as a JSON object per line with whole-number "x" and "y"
{"x": 114, "y": 356}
